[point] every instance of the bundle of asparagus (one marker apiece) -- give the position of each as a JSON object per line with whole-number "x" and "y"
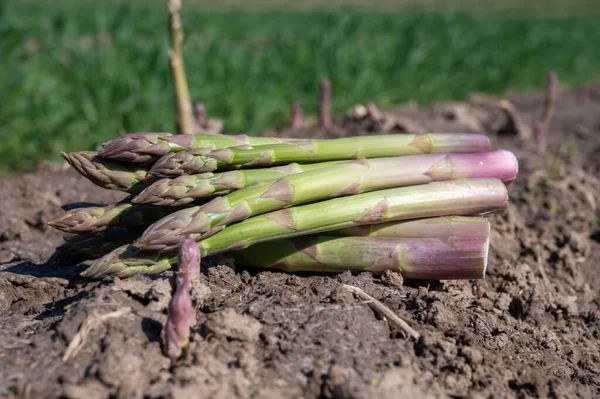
{"x": 412, "y": 203}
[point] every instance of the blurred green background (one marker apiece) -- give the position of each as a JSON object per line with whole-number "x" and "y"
{"x": 75, "y": 73}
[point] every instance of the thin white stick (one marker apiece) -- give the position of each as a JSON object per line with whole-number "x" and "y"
{"x": 383, "y": 311}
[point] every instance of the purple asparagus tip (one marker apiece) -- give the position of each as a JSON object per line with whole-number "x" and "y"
{"x": 325, "y": 104}
{"x": 189, "y": 260}
{"x": 177, "y": 329}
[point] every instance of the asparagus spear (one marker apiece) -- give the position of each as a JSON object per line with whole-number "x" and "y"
{"x": 179, "y": 315}
{"x": 148, "y": 147}
{"x": 347, "y": 178}
{"x": 188, "y": 188}
{"x": 438, "y": 227}
{"x": 107, "y": 174}
{"x": 453, "y": 257}
{"x": 95, "y": 218}
{"x": 455, "y": 197}
{"x": 192, "y": 162}
{"x": 181, "y": 311}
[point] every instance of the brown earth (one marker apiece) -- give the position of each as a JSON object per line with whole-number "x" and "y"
{"x": 529, "y": 329}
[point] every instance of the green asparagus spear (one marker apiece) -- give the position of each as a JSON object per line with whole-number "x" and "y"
{"x": 148, "y": 147}
{"x": 192, "y": 162}
{"x": 188, "y": 188}
{"x": 454, "y": 257}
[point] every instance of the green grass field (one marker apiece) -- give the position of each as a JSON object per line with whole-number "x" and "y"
{"x": 73, "y": 76}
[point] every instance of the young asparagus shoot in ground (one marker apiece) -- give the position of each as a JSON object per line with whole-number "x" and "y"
{"x": 179, "y": 315}
{"x": 325, "y": 104}
{"x": 297, "y": 118}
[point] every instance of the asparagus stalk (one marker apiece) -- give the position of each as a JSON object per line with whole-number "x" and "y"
{"x": 180, "y": 312}
{"x": 95, "y": 218}
{"x": 347, "y": 178}
{"x": 453, "y": 257}
{"x": 438, "y": 227}
{"x": 179, "y": 315}
{"x": 148, "y": 147}
{"x": 455, "y": 197}
{"x": 107, "y": 174}
{"x": 188, "y": 188}
{"x": 192, "y": 162}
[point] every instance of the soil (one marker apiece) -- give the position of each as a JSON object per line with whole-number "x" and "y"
{"x": 529, "y": 329}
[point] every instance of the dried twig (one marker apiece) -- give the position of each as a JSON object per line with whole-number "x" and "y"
{"x": 91, "y": 322}
{"x": 511, "y": 112}
{"x": 325, "y": 104}
{"x": 185, "y": 117}
{"x": 383, "y": 311}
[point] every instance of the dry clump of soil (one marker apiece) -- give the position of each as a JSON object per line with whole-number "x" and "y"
{"x": 530, "y": 329}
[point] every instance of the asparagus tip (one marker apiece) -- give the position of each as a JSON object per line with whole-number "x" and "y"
{"x": 103, "y": 265}
{"x": 189, "y": 259}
